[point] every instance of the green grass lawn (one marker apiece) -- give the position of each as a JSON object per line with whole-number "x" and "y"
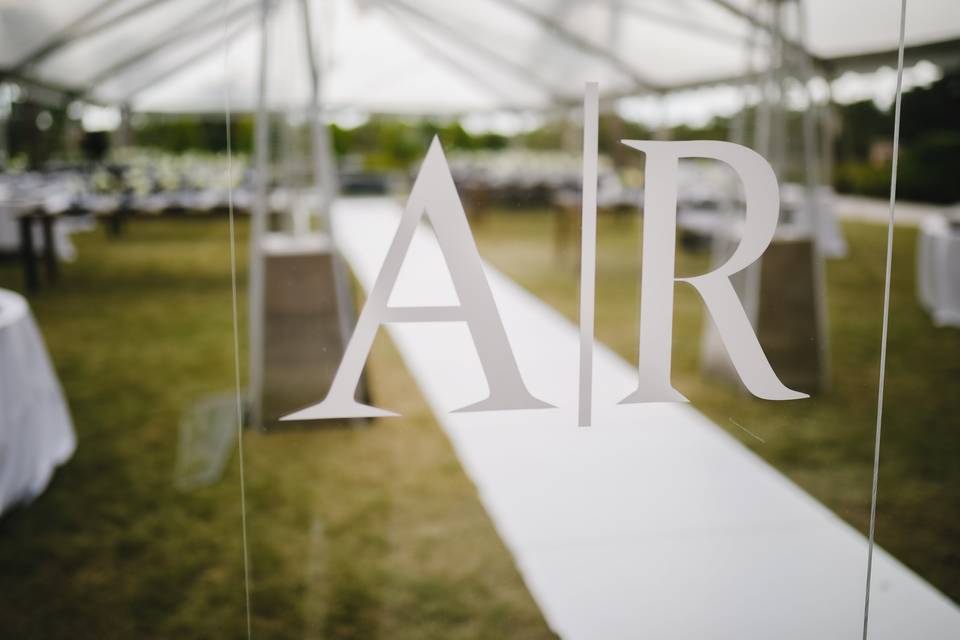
{"x": 376, "y": 532}
{"x": 355, "y": 533}
{"x": 825, "y": 443}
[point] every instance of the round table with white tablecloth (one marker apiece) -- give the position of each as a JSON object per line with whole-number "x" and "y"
{"x": 938, "y": 269}
{"x": 36, "y": 433}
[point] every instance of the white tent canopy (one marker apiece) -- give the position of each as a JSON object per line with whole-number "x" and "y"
{"x": 429, "y": 56}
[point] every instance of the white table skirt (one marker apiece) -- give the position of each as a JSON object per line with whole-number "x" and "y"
{"x": 36, "y": 433}
{"x": 938, "y": 270}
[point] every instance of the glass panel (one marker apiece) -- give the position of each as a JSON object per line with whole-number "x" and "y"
{"x": 246, "y": 232}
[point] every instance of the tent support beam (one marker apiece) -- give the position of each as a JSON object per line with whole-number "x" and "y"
{"x": 584, "y": 45}
{"x": 78, "y": 32}
{"x": 463, "y": 39}
{"x": 431, "y": 49}
{"x": 65, "y": 35}
{"x": 180, "y": 66}
{"x": 184, "y": 30}
{"x": 52, "y": 94}
{"x": 792, "y": 45}
{"x": 681, "y": 23}
{"x": 5, "y": 131}
{"x": 325, "y": 177}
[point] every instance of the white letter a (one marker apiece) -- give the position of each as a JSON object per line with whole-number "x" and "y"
{"x": 435, "y": 194}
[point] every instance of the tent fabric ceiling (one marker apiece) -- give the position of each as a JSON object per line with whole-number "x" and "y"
{"x": 422, "y": 56}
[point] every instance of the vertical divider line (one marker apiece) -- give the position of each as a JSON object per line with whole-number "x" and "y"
{"x": 235, "y": 315}
{"x": 886, "y": 317}
{"x": 588, "y": 250}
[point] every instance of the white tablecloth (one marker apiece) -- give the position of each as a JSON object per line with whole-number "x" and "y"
{"x": 938, "y": 270}
{"x": 53, "y": 198}
{"x": 36, "y": 433}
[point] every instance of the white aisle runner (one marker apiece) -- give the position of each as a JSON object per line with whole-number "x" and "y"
{"x": 653, "y": 523}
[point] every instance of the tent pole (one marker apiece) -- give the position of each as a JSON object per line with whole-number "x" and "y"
{"x": 325, "y": 178}
{"x": 125, "y": 130}
{"x": 810, "y": 150}
{"x": 763, "y": 139}
{"x": 779, "y": 130}
{"x": 814, "y": 179}
{"x": 663, "y": 131}
{"x": 70, "y": 134}
{"x": 738, "y": 128}
{"x": 828, "y": 132}
{"x": 324, "y": 173}
{"x": 259, "y": 222}
{"x": 6, "y": 108}
{"x": 4, "y": 140}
